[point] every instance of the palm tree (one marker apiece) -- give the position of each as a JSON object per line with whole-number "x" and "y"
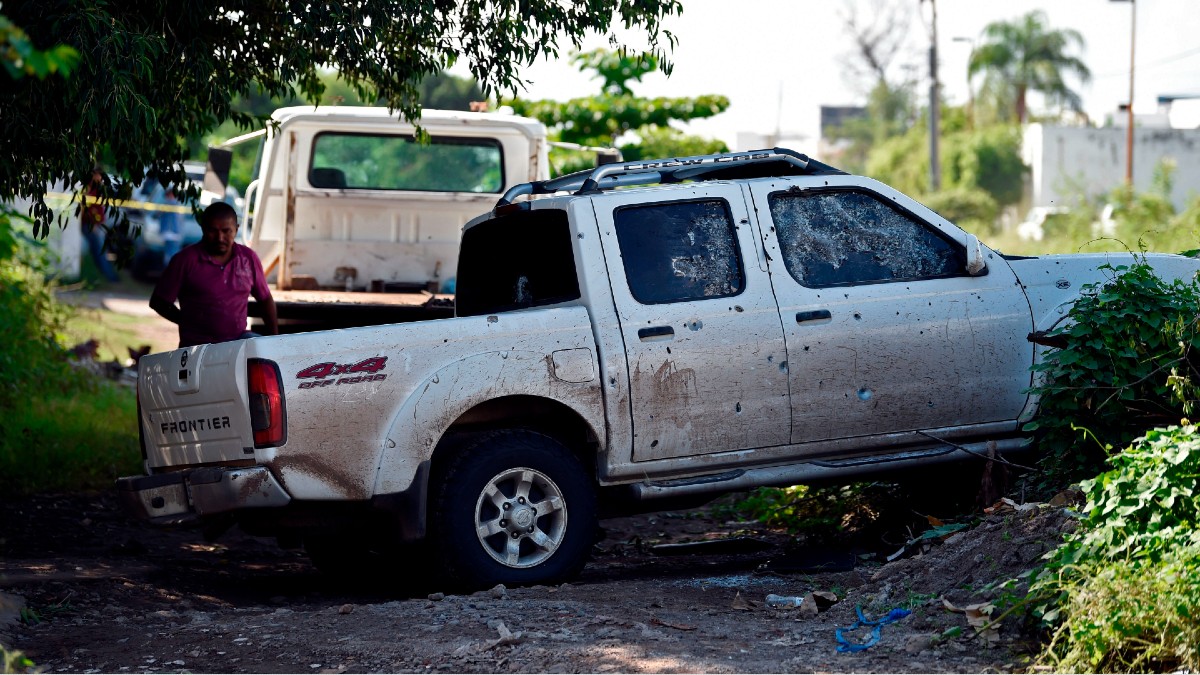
{"x": 1025, "y": 55}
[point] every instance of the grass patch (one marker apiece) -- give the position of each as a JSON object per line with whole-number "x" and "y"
{"x": 114, "y": 331}
{"x": 78, "y": 439}
{"x": 1128, "y": 618}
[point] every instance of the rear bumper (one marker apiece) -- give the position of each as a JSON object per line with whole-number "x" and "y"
{"x": 188, "y": 495}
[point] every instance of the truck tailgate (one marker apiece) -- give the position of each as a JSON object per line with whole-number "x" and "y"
{"x": 193, "y": 406}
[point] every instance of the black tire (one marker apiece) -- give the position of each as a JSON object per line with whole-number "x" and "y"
{"x": 535, "y": 498}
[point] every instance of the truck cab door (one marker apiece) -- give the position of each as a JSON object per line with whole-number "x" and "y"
{"x": 888, "y": 330}
{"x": 704, "y": 347}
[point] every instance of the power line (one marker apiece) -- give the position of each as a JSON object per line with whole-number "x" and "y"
{"x": 1153, "y": 64}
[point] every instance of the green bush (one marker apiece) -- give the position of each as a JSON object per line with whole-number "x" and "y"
{"x": 987, "y": 159}
{"x": 1124, "y": 618}
{"x": 972, "y": 209}
{"x": 30, "y": 318}
{"x": 1121, "y": 594}
{"x": 61, "y": 427}
{"x": 1125, "y": 368}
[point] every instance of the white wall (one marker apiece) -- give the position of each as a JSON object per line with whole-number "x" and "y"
{"x": 65, "y": 244}
{"x": 1068, "y": 162}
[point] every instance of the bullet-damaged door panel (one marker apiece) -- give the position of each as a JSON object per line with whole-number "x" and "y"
{"x": 705, "y": 355}
{"x": 887, "y": 329}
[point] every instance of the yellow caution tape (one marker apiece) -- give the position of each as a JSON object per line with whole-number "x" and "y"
{"x": 122, "y": 203}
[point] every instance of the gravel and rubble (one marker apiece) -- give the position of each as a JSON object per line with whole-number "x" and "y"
{"x": 101, "y": 593}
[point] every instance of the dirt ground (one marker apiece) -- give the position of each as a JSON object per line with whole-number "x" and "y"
{"x": 103, "y": 593}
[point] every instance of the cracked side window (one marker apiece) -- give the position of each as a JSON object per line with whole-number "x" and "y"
{"x": 833, "y": 238}
{"x": 679, "y": 251}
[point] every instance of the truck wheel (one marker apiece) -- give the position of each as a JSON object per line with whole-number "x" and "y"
{"x": 518, "y": 508}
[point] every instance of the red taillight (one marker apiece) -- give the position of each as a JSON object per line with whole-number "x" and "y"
{"x": 268, "y": 417}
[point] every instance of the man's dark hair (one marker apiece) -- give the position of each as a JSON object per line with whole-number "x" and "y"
{"x": 217, "y": 210}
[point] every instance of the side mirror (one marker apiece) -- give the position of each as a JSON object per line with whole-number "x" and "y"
{"x": 976, "y": 265}
{"x": 216, "y": 170}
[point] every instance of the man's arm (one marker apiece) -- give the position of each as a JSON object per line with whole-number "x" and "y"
{"x": 269, "y": 315}
{"x": 170, "y": 311}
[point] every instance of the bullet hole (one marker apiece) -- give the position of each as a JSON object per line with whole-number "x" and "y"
{"x": 668, "y": 350}
{"x": 738, "y": 408}
{"x": 770, "y": 358}
{"x": 612, "y": 381}
{"x": 805, "y": 347}
{"x": 493, "y": 319}
{"x": 738, "y": 308}
{"x": 654, "y": 443}
{"x": 695, "y": 325}
{"x": 783, "y": 366}
{"x": 865, "y": 394}
{"x": 857, "y": 316}
{"x": 581, "y": 235}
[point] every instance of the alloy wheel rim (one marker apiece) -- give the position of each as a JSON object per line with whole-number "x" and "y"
{"x": 520, "y": 517}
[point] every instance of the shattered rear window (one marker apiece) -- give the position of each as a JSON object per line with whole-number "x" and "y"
{"x": 832, "y": 238}
{"x": 679, "y": 251}
{"x": 516, "y": 261}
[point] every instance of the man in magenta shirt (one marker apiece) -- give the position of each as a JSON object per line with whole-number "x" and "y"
{"x": 213, "y": 280}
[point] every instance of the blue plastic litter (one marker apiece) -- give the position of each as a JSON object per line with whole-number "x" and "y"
{"x": 845, "y": 645}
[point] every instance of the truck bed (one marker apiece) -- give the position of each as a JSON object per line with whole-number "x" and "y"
{"x": 317, "y": 310}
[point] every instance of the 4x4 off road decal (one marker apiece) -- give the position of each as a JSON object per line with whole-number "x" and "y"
{"x": 326, "y": 374}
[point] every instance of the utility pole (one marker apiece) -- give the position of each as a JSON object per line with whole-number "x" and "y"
{"x": 1129, "y": 108}
{"x": 935, "y": 169}
{"x": 1129, "y": 130}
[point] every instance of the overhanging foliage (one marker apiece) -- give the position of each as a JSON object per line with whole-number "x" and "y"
{"x": 153, "y": 72}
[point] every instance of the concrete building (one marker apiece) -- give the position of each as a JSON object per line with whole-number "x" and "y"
{"x": 1067, "y": 163}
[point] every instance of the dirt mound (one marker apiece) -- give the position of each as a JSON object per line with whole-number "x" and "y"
{"x": 1009, "y": 541}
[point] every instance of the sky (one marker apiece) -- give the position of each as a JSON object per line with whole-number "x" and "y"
{"x": 779, "y": 60}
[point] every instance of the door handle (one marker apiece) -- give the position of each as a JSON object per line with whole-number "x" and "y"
{"x": 656, "y": 333}
{"x": 815, "y": 315}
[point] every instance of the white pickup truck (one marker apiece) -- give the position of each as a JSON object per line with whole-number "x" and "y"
{"x": 357, "y": 222}
{"x": 743, "y": 320}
